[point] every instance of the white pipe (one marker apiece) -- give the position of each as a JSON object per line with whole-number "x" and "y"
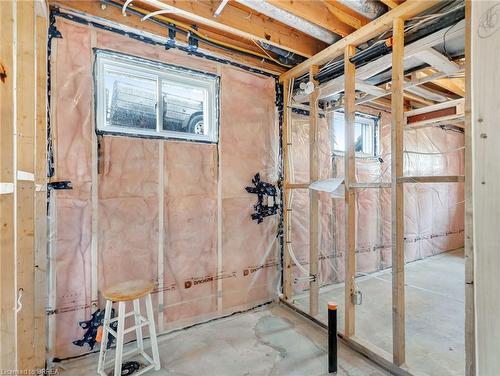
{"x": 291, "y": 20}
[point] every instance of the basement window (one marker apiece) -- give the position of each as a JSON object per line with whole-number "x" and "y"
{"x": 365, "y": 133}
{"x": 143, "y": 98}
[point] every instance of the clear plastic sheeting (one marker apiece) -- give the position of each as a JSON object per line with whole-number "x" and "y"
{"x": 174, "y": 212}
{"x": 434, "y": 216}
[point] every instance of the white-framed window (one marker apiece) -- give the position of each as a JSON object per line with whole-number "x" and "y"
{"x": 139, "y": 97}
{"x": 365, "y": 133}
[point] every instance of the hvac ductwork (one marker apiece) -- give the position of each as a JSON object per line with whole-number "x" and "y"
{"x": 371, "y": 9}
{"x": 291, "y": 20}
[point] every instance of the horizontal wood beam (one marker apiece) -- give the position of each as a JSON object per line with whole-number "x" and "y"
{"x": 406, "y": 10}
{"x": 316, "y": 12}
{"x": 244, "y": 24}
{"x": 348, "y": 15}
{"x": 370, "y": 185}
{"x": 431, "y": 179}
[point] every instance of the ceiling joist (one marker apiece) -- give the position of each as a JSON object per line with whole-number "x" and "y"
{"x": 316, "y": 12}
{"x": 236, "y": 21}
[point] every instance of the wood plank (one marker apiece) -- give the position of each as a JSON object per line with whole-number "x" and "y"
{"x": 432, "y": 179}
{"x": 313, "y": 196}
{"x": 370, "y": 185}
{"x": 383, "y": 23}
{"x": 25, "y": 140}
{"x": 113, "y": 15}
{"x": 316, "y": 12}
{"x": 346, "y": 15}
{"x": 237, "y": 22}
{"x": 470, "y": 324}
{"x": 350, "y": 193}
{"x": 397, "y": 198}
{"x": 41, "y": 189}
{"x": 287, "y": 260}
{"x": 390, "y": 3}
{"x": 7, "y": 269}
{"x": 485, "y": 133}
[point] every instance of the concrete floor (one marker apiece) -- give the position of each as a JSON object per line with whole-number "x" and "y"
{"x": 271, "y": 340}
{"x": 435, "y": 312}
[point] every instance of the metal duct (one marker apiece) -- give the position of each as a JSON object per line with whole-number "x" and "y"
{"x": 291, "y": 20}
{"x": 371, "y": 9}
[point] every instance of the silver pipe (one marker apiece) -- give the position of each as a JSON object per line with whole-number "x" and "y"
{"x": 371, "y": 9}
{"x": 291, "y": 20}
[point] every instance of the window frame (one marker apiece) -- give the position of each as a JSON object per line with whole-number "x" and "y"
{"x": 364, "y": 119}
{"x": 160, "y": 73}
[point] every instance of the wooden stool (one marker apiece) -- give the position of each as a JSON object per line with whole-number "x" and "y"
{"x": 123, "y": 293}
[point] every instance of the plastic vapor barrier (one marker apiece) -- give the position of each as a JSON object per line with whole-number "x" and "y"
{"x": 434, "y": 213}
{"x": 174, "y": 212}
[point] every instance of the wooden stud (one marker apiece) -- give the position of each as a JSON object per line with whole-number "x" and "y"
{"x": 287, "y": 260}
{"x": 350, "y": 193}
{"x": 313, "y": 196}
{"x": 470, "y": 330}
{"x": 397, "y": 199}
{"x": 41, "y": 189}
{"x": 25, "y": 192}
{"x": 7, "y": 271}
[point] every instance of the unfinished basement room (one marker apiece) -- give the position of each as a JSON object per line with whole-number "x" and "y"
{"x": 249, "y": 187}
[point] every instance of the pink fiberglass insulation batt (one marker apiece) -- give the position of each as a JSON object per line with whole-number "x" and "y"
{"x": 434, "y": 213}
{"x": 215, "y": 259}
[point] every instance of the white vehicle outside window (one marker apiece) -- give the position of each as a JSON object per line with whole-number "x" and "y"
{"x": 144, "y": 98}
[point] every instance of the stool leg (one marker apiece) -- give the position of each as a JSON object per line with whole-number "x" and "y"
{"x": 119, "y": 338}
{"x": 138, "y": 331}
{"x": 104, "y": 339}
{"x": 152, "y": 332}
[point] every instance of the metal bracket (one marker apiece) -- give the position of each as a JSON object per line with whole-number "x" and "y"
{"x": 64, "y": 184}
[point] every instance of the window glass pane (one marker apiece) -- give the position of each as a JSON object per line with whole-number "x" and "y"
{"x": 183, "y": 108}
{"x": 130, "y": 101}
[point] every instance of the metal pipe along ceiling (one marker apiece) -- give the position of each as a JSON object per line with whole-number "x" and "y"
{"x": 291, "y": 20}
{"x": 371, "y": 9}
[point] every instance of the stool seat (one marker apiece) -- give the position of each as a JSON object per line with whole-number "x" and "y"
{"x": 128, "y": 290}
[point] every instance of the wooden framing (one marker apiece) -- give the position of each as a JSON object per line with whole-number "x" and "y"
{"x": 317, "y": 13}
{"x": 394, "y": 19}
{"x": 350, "y": 193}
{"x": 285, "y": 143}
{"x": 397, "y": 199}
{"x": 470, "y": 326}
{"x": 236, "y": 21}
{"x": 23, "y": 184}
{"x": 313, "y": 196}
{"x": 406, "y": 10}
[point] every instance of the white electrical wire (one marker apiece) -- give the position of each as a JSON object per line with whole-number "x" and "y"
{"x": 19, "y": 304}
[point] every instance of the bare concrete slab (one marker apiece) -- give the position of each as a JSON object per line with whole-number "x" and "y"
{"x": 435, "y": 312}
{"x": 270, "y": 341}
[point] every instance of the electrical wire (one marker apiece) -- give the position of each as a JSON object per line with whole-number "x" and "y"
{"x": 204, "y": 37}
